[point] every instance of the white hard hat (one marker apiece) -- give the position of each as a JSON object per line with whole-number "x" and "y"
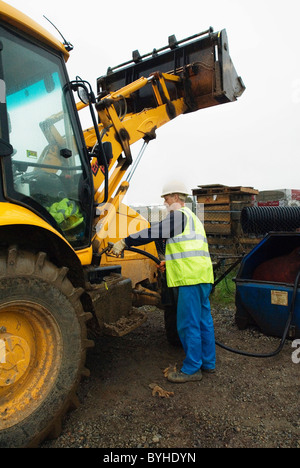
{"x": 174, "y": 186}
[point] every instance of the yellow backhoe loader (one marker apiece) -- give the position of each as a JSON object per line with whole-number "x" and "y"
{"x": 61, "y": 205}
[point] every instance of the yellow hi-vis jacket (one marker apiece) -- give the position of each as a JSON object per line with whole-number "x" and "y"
{"x": 187, "y": 256}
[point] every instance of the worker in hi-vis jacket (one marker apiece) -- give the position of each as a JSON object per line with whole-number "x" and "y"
{"x": 189, "y": 268}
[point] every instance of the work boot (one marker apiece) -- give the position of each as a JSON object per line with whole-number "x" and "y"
{"x": 181, "y": 377}
{"x": 208, "y": 371}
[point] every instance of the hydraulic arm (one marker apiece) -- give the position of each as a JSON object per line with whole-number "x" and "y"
{"x": 139, "y": 96}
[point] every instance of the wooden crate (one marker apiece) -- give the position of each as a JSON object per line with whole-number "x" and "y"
{"x": 222, "y": 211}
{"x": 218, "y": 199}
{"x": 224, "y": 189}
{"x": 217, "y": 228}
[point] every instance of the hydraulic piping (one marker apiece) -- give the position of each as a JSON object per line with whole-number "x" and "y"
{"x": 236, "y": 351}
{"x": 146, "y": 254}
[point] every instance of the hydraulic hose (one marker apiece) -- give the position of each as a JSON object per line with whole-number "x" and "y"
{"x": 236, "y": 351}
{"x": 286, "y": 329}
{"x": 146, "y": 254}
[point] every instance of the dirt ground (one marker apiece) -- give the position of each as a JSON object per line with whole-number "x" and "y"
{"x": 249, "y": 402}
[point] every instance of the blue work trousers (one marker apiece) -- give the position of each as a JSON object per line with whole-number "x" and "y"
{"x": 195, "y": 327}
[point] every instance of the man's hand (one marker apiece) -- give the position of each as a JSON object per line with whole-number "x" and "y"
{"x": 118, "y": 247}
{"x": 162, "y": 267}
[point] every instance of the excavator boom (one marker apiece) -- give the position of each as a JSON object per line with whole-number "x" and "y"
{"x": 207, "y": 74}
{"x": 135, "y": 98}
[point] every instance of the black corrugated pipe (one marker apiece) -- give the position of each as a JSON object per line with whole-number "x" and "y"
{"x": 264, "y": 219}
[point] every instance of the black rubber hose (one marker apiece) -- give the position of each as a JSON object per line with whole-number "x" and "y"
{"x": 283, "y": 339}
{"x": 143, "y": 252}
{"x": 236, "y": 351}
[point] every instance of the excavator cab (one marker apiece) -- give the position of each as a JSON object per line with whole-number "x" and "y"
{"x": 49, "y": 168}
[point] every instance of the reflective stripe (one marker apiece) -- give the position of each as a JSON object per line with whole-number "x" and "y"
{"x": 2, "y": 92}
{"x": 181, "y": 255}
{"x": 188, "y": 237}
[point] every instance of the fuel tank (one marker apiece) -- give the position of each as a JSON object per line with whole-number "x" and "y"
{"x": 265, "y": 284}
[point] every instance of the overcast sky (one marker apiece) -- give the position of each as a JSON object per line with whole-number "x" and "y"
{"x": 253, "y": 142}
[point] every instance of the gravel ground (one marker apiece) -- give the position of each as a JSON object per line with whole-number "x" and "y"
{"x": 249, "y": 402}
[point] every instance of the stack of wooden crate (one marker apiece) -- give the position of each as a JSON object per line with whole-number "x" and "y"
{"x": 222, "y": 206}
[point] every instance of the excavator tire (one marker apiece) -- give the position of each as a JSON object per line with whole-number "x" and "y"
{"x": 42, "y": 325}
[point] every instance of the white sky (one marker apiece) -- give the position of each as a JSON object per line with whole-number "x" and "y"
{"x": 252, "y": 142}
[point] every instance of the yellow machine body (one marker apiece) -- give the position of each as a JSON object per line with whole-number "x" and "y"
{"x": 22, "y": 22}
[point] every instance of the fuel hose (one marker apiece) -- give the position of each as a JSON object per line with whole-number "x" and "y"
{"x": 146, "y": 254}
{"x": 236, "y": 351}
{"x": 285, "y": 332}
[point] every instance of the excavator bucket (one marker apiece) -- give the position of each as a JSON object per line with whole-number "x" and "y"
{"x": 202, "y": 63}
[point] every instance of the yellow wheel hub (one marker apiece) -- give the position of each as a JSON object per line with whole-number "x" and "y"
{"x": 15, "y": 359}
{"x": 30, "y": 356}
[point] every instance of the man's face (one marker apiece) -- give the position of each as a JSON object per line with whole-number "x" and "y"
{"x": 172, "y": 202}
